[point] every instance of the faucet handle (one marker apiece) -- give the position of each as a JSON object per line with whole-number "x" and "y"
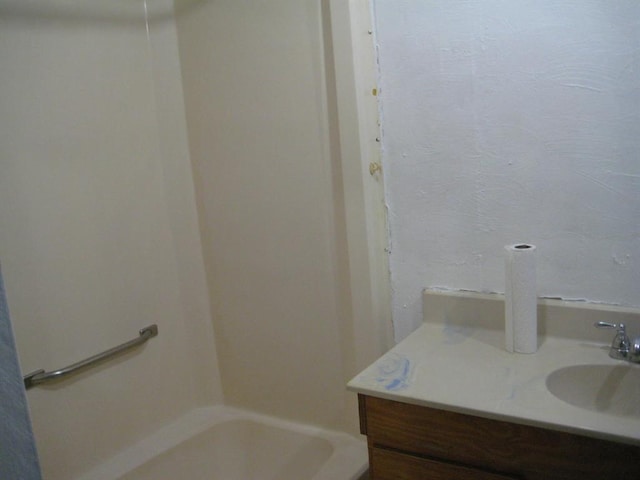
{"x": 619, "y": 326}
{"x": 621, "y": 344}
{"x": 634, "y": 350}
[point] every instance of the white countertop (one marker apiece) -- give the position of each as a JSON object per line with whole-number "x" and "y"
{"x": 466, "y": 369}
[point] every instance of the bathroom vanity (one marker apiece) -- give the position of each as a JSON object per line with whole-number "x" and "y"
{"x": 449, "y": 402}
{"x": 412, "y": 442}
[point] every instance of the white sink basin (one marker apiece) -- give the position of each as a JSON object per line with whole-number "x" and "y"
{"x": 612, "y": 389}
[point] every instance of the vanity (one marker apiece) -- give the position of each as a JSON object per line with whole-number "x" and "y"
{"x": 449, "y": 402}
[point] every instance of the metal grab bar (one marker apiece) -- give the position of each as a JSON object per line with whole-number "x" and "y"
{"x": 40, "y": 376}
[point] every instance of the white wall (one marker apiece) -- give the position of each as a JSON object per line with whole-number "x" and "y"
{"x": 98, "y": 225}
{"x": 265, "y": 170}
{"x": 511, "y": 122}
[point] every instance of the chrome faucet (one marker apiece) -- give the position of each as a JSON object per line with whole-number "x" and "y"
{"x": 622, "y": 348}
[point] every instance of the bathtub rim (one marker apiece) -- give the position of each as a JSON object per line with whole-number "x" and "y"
{"x": 349, "y": 454}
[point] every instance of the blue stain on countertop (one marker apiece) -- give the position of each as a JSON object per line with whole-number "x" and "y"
{"x": 393, "y": 372}
{"x": 456, "y": 334}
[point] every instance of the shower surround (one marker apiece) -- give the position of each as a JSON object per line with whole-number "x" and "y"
{"x": 177, "y": 168}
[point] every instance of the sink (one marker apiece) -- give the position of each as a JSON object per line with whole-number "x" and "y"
{"x": 613, "y": 389}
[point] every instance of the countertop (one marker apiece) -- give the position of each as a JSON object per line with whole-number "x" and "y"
{"x": 461, "y": 365}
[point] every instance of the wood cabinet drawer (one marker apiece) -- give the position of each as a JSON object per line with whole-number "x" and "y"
{"x": 529, "y": 452}
{"x": 389, "y": 465}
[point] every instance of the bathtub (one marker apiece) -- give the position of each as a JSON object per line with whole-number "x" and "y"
{"x": 224, "y": 443}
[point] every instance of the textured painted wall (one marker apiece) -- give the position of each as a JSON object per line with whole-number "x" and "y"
{"x": 511, "y": 122}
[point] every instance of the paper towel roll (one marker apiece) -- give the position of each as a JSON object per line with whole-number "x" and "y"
{"x": 521, "y": 300}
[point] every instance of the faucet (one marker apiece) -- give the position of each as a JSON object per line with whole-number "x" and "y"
{"x": 622, "y": 348}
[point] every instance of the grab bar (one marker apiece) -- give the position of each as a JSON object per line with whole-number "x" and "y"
{"x": 40, "y": 376}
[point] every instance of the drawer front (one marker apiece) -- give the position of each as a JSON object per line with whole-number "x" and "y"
{"x": 529, "y": 452}
{"x": 388, "y": 465}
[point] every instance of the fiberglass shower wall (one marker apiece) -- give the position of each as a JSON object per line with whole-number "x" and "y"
{"x": 98, "y": 222}
{"x": 98, "y": 229}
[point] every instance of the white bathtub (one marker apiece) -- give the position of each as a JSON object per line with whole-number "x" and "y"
{"x": 224, "y": 443}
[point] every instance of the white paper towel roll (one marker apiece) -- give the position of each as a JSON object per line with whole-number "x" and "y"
{"x": 521, "y": 300}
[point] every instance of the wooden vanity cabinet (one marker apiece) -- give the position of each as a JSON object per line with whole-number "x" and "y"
{"x": 409, "y": 442}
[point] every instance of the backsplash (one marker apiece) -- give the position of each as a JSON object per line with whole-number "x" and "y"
{"x": 557, "y": 318}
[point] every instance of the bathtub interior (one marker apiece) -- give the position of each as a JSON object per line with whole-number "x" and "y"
{"x": 223, "y": 443}
{"x": 239, "y": 449}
